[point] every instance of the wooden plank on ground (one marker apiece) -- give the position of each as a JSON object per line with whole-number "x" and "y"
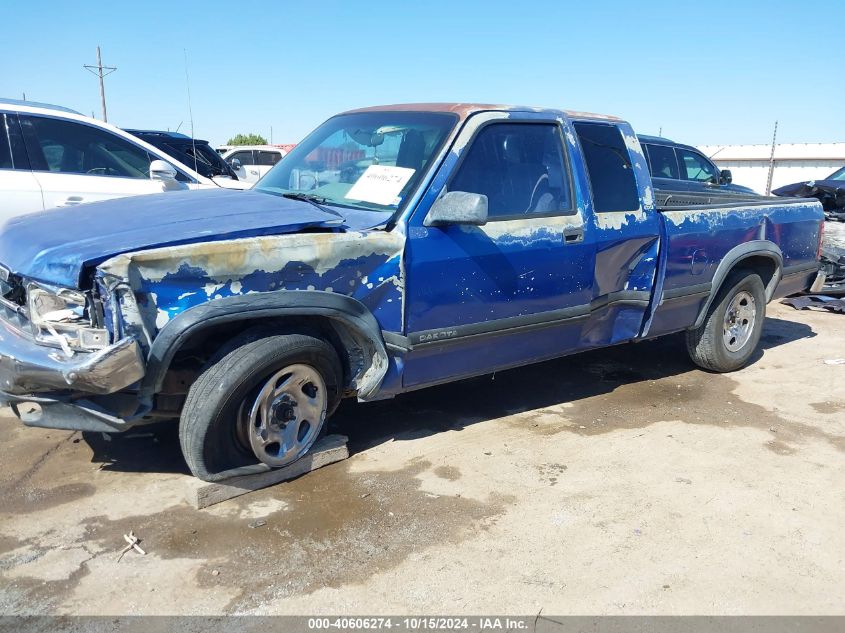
{"x": 330, "y": 449}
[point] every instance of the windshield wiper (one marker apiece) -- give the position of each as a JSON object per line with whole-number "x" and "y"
{"x": 317, "y": 201}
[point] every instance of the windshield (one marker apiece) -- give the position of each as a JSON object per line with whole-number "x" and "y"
{"x": 368, "y": 160}
{"x": 839, "y": 174}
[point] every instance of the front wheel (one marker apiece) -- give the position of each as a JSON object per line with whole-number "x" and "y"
{"x": 729, "y": 335}
{"x": 263, "y": 405}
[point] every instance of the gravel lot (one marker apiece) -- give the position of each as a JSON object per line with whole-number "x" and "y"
{"x": 622, "y": 481}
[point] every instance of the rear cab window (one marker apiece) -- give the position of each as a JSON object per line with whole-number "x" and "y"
{"x": 609, "y": 167}
{"x": 520, "y": 167}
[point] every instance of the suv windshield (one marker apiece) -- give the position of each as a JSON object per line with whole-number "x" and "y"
{"x": 366, "y": 160}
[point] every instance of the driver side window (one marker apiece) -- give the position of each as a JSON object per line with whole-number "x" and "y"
{"x": 695, "y": 167}
{"x": 244, "y": 157}
{"x": 68, "y": 147}
{"x": 521, "y": 169}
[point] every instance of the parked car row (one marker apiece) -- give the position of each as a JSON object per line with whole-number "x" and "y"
{"x": 54, "y": 157}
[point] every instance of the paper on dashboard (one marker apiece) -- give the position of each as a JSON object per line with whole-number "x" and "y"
{"x": 380, "y": 184}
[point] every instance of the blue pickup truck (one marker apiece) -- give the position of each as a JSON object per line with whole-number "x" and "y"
{"x": 395, "y": 248}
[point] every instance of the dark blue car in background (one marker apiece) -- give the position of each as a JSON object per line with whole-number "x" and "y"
{"x": 678, "y": 167}
{"x": 193, "y": 152}
{"x": 829, "y": 191}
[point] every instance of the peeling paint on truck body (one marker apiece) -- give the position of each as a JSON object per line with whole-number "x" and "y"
{"x": 360, "y": 264}
{"x": 444, "y": 302}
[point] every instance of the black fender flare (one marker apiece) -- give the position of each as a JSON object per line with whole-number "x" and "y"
{"x": 754, "y": 248}
{"x": 352, "y": 320}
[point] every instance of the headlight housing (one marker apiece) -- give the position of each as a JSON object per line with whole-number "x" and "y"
{"x": 63, "y": 318}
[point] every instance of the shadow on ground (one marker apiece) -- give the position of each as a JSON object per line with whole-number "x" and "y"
{"x": 571, "y": 379}
{"x": 456, "y": 405}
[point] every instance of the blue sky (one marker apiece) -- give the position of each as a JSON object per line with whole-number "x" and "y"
{"x": 704, "y": 72}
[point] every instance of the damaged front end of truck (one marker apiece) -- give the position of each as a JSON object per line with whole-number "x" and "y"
{"x": 125, "y": 350}
{"x": 59, "y": 354}
{"x": 118, "y": 342}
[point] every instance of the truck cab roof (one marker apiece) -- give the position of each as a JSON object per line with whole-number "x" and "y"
{"x": 465, "y": 110}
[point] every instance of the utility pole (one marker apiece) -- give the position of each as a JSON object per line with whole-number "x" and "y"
{"x": 101, "y": 71}
{"x": 772, "y": 161}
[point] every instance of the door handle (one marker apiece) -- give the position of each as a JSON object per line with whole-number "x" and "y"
{"x": 573, "y": 235}
{"x": 71, "y": 201}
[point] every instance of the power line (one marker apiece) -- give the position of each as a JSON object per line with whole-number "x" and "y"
{"x": 101, "y": 71}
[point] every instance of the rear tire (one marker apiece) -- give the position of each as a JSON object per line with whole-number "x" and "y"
{"x": 262, "y": 405}
{"x": 731, "y": 331}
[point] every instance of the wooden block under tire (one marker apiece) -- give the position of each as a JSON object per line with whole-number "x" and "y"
{"x": 330, "y": 449}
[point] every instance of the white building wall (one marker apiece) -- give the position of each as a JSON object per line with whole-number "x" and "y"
{"x": 797, "y": 162}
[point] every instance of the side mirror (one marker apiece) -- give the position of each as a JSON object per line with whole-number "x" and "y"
{"x": 162, "y": 170}
{"x": 458, "y": 207}
{"x": 235, "y": 164}
{"x": 725, "y": 177}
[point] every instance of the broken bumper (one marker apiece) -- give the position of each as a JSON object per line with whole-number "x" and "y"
{"x": 28, "y": 368}
{"x": 818, "y": 283}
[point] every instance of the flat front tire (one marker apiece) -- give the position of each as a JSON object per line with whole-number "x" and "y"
{"x": 731, "y": 331}
{"x": 262, "y": 405}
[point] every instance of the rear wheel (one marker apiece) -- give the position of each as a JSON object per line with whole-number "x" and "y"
{"x": 263, "y": 405}
{"x": 729, "y": 335}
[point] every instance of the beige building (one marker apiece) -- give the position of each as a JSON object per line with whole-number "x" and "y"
{"x": 793, "y": 162}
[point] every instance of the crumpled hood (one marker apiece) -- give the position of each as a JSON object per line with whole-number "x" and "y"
{"x": 56, "y": 246}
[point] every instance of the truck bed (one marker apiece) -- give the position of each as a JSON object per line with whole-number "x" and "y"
{"x": 666, "y": 199}
{"x": 705, "y": 235}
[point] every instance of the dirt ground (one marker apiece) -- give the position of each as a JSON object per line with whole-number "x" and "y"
{"x": 622, "y": 481}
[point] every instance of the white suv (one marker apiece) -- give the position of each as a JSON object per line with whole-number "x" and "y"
{"x": 251, "y": 162}
{"x": 54, "y": 157}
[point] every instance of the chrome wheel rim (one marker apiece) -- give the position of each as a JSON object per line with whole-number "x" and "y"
{"x": 739, "y": 321}
{"x": 284, "y": 419}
